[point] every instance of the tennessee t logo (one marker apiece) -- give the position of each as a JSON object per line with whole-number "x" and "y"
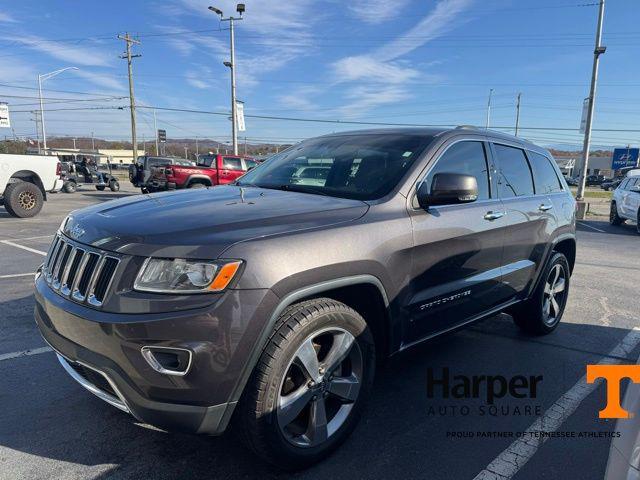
{"x": 613, "y": 374}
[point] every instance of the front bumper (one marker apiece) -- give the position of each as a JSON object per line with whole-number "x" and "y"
{"x": 102, "y": 351}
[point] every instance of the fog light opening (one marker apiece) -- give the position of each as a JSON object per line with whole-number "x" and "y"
{"x": 168, "y": 360}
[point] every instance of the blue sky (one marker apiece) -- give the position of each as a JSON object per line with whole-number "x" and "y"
{"x": 406, "y": 61}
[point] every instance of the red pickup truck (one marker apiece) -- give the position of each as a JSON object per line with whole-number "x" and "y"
{"x": 210, "y": 170}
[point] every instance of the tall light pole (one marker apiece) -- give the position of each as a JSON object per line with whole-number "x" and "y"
{"x": 132, "y": 101}
{"x": 41, "y": 78}
{"x": 599, "y": 50}
{"x": 240, "y": 8}
{"x": 489, "y": 110}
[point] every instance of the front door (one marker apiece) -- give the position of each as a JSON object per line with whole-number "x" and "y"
{"x": 457, "y": 249}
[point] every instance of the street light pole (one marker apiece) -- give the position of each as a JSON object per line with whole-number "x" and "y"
{"x": 41, "y": 78}
{"x": 489, "y": 110}
{"x": 155, "y": 126}
{"x": 240, "y": 8}
{"x": 599, "y": 50}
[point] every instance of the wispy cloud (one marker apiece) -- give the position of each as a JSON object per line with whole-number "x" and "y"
{"x": 382, "y": 76}
{"x": 6, "y": 18}
{"x": 375, "y": 12}
{"x": 102, "y": 80}
{"x": 74, "y": 54}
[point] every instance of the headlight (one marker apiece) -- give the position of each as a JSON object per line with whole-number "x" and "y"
{"x": 184, "y": 276}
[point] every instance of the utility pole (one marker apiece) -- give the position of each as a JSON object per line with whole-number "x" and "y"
{"x": 240, "y": 8}
{"x": 186, "y": 152}
{"x": 197, "y": 149}
{"x": 132, "y": 103}
{"x": 518, "y": 113}
{"x": 489, "y": 109}
{"x": 74, "y": 143}
{"x": 35, "y": 119}
{"x": 93, "y": 142}
{"x": 599, "y": 50}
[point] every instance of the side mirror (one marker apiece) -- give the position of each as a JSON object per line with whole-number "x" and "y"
{"x": 447, "y": 189}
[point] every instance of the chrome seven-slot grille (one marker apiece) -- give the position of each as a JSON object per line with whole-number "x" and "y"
{"x": 79, "y": 272}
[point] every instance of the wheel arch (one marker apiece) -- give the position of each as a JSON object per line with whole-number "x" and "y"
{"x": 31, "y": 177}
{"x": 567, "y": 246}
{"x": 344, "y": 288}
{"x": 198, "y": 179}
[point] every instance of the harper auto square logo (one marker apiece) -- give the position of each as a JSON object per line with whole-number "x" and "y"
{"x": 613, "y": 374}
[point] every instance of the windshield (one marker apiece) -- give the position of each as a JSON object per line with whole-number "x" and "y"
{"x": 363, "y": 167}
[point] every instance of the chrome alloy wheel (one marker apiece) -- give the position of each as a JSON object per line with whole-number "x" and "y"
{"x": 319, "y": 387}
{"x": 554, "y": 294}
{"x": 27, "y": 200}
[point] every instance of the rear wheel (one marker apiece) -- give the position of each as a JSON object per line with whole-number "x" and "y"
{"x": 100, "y": 188}
{"x": 114, "y": 185}
{"x": 614, "y": 218}
{"x": 23, "y": 199}
{"x": 310, "y": 385}
{"x": 69, "y": 187}
{"x": 542, "y": 312}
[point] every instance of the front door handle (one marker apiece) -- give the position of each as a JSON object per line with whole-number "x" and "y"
{"x": 491, "y": 216}
{"x": 544, "y": 208}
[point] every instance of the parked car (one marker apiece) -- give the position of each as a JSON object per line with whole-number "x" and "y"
{"x": 140, "y": 172}
{"x": 625, "y": 202}
{"x": 25, "y": 181}
{"x": 83, "y": 172}
{"x": 611, "y": 184}
{"x": 593, "y": 180}
{"x": 573, "y": 181}
{"x": 268, "y": 301}
{"x": 210, "y": 170}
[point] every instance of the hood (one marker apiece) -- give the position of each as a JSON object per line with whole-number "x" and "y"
{"x": 202, "y": 223}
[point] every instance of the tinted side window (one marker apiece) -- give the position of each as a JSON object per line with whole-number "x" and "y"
{"x": 623, "y": 184}
{"x": 468, "y": 158}
{"x": 544, "y": 175}
{"x": 514, "y": 175}
{"x": 230, "y": 163}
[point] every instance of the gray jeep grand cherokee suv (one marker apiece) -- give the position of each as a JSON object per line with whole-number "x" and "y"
{"x": 266, "y": 303}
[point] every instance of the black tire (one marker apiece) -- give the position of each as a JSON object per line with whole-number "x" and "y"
{"x": 23, "y": 199}
{"x": 144, "y": 190}
{"x": 196, "y": 185}
{"x": 100, "y": 188}
{"x": 614, "y": 218}
{"x": 69, "y": 187}
{"x": 258, "y": 417}
{"x": 531, "y": 315}
{"x": 114, "y": 186}
{"x": 638, "y": 222}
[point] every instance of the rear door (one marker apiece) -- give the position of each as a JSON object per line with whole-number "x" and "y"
{"x": 457, "y": 248}
{"x": 232, "y": 168}
{"x": 530, "y": 219}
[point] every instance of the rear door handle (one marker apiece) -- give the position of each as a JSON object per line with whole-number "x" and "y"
{"x": 491, "y": 216}
{"x": 544, "y": 208}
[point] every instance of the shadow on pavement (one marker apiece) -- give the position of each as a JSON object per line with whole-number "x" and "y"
{"x": 45, "y": 414}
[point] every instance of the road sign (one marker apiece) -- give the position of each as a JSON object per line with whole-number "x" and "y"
{"x": 162, "y": 136}
{"x": 585, "y": 113}
{"x": 240, "y": 116}
{"x": 625, "y": 157}
{"x": 4, "y": 116}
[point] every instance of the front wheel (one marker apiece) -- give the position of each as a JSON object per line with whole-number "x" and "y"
{"x": 542, "y": 312}
{"x": 100, "y": 188}
{"x": 310, "y": 385}
{"x": 614, "y": 218}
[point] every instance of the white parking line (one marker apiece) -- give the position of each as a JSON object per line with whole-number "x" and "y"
{"x": 25, "y": 353}
{"x": 589, "y": 226}
{"x": 28, "y": 249}
{"x": 16, "y": 275}
{"x": 511, "y": 460}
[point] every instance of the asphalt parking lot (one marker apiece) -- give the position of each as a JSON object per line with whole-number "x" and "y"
{"x": 50, "y": 427}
